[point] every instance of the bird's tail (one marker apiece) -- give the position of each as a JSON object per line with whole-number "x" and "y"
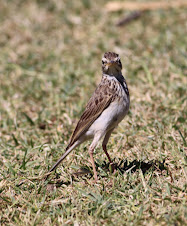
{"x": 68, "y": 150}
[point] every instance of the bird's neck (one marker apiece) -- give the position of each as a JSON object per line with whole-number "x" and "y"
{"x": 113, "y": 71}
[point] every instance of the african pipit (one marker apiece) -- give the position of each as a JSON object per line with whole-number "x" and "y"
{"x": 105, "y": 109}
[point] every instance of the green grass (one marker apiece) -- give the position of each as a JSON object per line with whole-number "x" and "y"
{"x": 50, "y": 63}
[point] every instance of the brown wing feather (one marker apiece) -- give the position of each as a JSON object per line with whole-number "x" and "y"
{"x": 100, "y": 100}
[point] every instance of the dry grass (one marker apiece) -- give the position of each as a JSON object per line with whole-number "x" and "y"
{"x": 49, "y": 66}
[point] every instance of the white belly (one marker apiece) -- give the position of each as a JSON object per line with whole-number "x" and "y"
{"x": 109, "y": 119}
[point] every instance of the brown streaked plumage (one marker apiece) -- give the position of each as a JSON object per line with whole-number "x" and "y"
{"x": 105, "y": 109}
{"x": 100, "y": 100}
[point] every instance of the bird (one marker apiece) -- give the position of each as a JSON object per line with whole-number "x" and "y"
{"x": 106, "y": 108}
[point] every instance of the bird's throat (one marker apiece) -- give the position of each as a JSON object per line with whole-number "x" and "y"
{"x": 113, "y": 71}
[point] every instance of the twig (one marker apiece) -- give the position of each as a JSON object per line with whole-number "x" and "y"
{"x": 132, "y": 16}
{"x": 142, "y": 6}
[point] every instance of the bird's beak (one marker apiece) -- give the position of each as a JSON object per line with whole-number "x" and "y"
{"x": 111, "y": 63}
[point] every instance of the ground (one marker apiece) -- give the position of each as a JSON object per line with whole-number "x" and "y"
{"x": 50, "y": 63}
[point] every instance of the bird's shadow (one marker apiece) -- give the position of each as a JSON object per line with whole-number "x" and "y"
{"x": 123, "y": 166}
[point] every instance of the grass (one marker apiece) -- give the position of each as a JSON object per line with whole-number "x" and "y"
{"x": 50, "y": 63}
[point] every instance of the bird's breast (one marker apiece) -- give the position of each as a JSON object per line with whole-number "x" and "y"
{"x": 115, "y": 112}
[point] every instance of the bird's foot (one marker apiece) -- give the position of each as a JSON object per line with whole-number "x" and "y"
{"x": 112, "y": 167}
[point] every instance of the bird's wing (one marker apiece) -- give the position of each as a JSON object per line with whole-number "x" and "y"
{"x": 100, "y": 100}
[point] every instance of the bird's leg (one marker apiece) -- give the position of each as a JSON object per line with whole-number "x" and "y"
{"x": 105, "y": 141}
{"x": 94, "y": 143}
{"x": 93, "y": 163}
{"x": 105, "y": 150}
{"x": 111, "y": 163}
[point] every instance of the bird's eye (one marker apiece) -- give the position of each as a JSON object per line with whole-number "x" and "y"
{"x": 103, "y": 61}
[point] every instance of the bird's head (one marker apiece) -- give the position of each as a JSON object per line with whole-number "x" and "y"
{"x": 111, "y": 64}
